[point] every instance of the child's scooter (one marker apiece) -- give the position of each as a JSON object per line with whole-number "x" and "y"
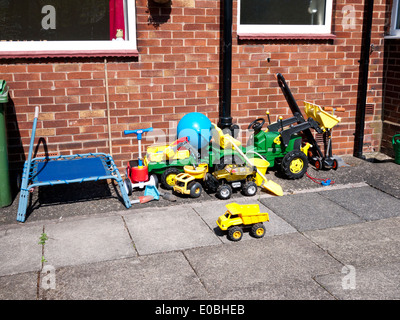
{"x": 138, "y": 174}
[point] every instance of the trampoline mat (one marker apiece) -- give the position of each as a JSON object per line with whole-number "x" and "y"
{"x": 70, "y": 169}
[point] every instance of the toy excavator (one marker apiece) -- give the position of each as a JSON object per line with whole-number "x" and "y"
{"x": 319, "y": 120}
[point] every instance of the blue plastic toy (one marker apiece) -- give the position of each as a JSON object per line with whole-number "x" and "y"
{"x": 197, "y": 127}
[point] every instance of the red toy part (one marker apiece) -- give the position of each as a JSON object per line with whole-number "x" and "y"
{"x": 137, "y": 174}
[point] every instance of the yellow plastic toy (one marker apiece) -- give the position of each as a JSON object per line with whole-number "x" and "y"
{"x": 325, "y": 119}
{"x": 222, "y": 140}
{"x": 238, "y": 217}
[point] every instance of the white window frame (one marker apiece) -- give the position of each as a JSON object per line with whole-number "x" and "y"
{"x": 288, "y": 29}
{"x": 86, "y": 48}
{"x": 394, "y": 33}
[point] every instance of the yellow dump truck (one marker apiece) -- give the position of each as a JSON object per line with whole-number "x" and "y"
{"x": 238, "y": 217}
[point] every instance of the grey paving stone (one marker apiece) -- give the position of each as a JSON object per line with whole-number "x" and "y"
{"x": 364, "y": 244}
{"x": 370, "y": 283}
{"x": 310, "y": 211}
{"x": 22, "y": 286}
{"x": 173, "y": 228}
{"x": 165, "y": 276}
{"x": 366, "y": 202}
{"x": 79, "y": 240}
{"x": 270, "y": 261}
{"x": 19, "y": 249}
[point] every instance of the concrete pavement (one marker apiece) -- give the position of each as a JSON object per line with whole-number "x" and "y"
{"x": 336, "y": 242}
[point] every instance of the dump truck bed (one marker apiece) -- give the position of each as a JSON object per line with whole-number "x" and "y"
{"x": 250, "y": 214}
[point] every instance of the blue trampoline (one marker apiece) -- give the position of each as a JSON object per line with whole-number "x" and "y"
{"x": 77, "y": 168}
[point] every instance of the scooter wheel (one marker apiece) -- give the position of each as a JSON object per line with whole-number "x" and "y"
{"x": 128, "y": 186}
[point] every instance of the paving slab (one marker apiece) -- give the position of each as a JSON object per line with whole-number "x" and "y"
{"x": 83, "y": 240}
{"x": 262, "y": 263}
{"x": 19, "y": 249}
{"x": 310, "y": 211}
{"x": 361, "y": 245}
{"x": 370, "y": 283}
{"x": 366, "y": 202}
{"x": 166, "y": 276}
{"x": 169, "y": 229}
{"x": 210, "y": 211}
{"x": 22, "y": 286}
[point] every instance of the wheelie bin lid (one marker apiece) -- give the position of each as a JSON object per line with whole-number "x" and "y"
{"x": 3, "y": 91}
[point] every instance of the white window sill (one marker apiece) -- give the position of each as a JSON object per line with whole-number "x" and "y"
{"x": 285, "y": 36}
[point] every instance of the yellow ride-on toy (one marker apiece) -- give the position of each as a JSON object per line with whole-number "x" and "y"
{"x": 239, "y": 217}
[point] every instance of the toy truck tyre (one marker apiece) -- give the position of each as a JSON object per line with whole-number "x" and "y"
{"x": 224, "y": 192}
{"x": 294, "y": 164}
{"x": 249, "y": 189}
{"x": 235, "y": 233}
{"x": 258, "y": 230}
{"x": 195, "y": 189}
{"x": 168, "y": 177}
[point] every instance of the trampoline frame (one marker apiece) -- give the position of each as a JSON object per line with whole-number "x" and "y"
{"x": 30, "y": 173}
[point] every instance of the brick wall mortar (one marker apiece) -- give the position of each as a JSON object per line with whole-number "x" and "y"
{"x": 178, "y": 71}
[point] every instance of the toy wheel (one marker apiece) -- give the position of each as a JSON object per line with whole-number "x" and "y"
{"x": 224, "y": 192}
{"x": 211, "y": 182}
{"x": 235, "y": 233}
{"x": 318, "y": 164}
{"x": 154, "y": 178}
{"x": 249, "y": 189}
{"x": 195, "y": 189}
{"x": 294, "y": 164}
{"x": 258, "y": 230}
{"x": 128, "y": 186}
{"x": 168, "y": 177}
{"x": 334, "y": 164}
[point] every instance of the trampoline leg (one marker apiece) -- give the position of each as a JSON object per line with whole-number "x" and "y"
{"x": 22, "y": 206}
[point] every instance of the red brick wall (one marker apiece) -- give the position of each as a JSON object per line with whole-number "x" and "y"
{"x": 177, "y": 71}
{"x": 391, "y": 112}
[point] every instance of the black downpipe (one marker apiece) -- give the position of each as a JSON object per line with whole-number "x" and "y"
{"x": 363, "y": 80}
{"x": 225, "y": 119}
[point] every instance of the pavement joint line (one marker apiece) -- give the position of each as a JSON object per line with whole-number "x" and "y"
{"x": 129, "y": 234}
{"x": 195, "y": 272}
{"x": 209, "y": 227}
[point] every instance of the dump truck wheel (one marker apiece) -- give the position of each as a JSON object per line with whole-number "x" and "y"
{"x": 195, "y": 189}
{"x": 168, "y": 177}
{"x": 249, "y": 189}
{"x": 294, "y": 164}
{"x": 258, "y": 230}
{"x": 224, "y": 192}
{"x": 235, "y": 233}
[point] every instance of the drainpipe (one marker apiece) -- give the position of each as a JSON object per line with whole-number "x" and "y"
{"x": 363, "y": 80}
{"x": 225, "y": 119}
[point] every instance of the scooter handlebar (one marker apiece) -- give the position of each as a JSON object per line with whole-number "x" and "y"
{"x": 138, "y": 132}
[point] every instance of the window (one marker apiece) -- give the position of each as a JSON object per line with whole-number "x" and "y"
{"x": 60, "y": 27}
{"x": 395, "y": 21}
{"x": 284, "y": 17}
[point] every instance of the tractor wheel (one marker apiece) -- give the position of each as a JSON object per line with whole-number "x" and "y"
{"x": 249, "y": 189}
{"x": 224, "y": 192}
{"x": 168, "y": 177}
{"x": 258, "y": 230}
{"x": 235, "y": 233}
{"x": 195, "y": 189}
{"x": 294, "y": 164}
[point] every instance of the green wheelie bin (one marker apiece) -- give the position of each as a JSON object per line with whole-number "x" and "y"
{"x": 5, "y": 190}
